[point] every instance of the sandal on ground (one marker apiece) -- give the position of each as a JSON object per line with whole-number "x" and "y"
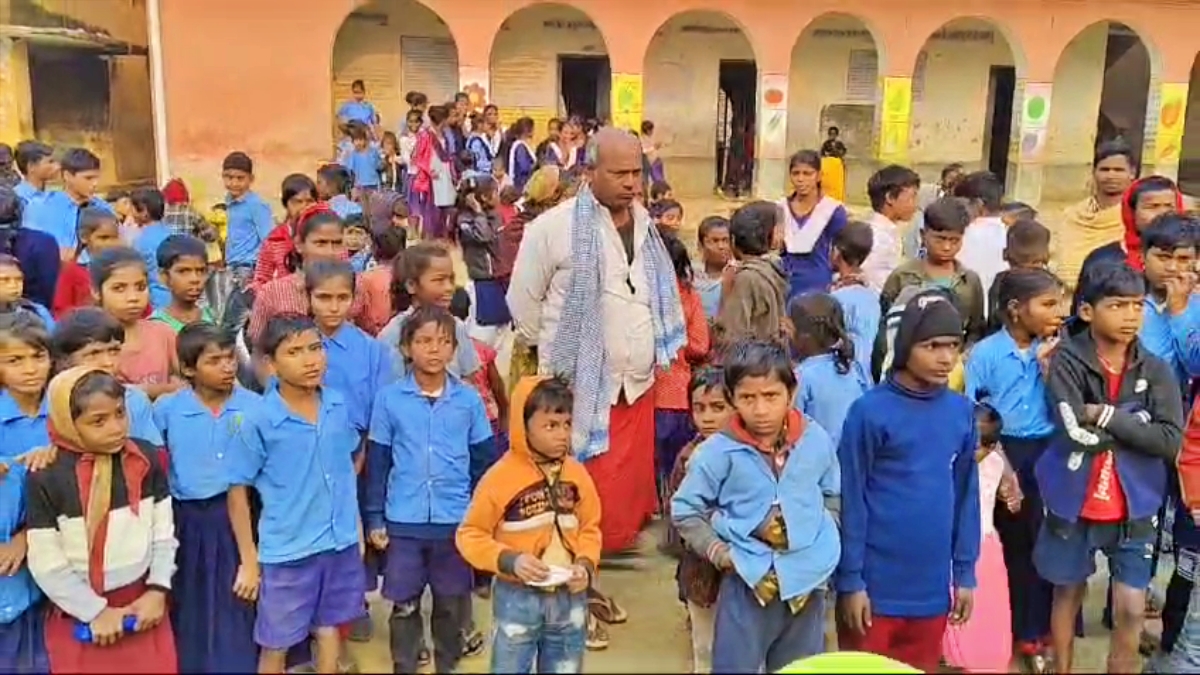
{"x": 606, "y": 609}
{"x": 597, "y": 634}
{"x": 473, "y": 643}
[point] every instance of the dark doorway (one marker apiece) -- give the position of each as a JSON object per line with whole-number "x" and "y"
{"x": 737, "y": 99}
{"x": 1002, "y": 87}
{"x": 584, "y": 83}
{"x": 1126, "y": 90}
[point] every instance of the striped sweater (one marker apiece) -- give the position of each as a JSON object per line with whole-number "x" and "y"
{"x": 138, "y": 545}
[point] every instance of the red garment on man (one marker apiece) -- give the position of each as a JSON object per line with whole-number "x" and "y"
{"x": 624, "y": 476}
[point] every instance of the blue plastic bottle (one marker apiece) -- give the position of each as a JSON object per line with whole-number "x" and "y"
{"x": 83, "y": 631}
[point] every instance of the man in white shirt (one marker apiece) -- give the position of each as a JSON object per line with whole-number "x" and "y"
{"x": 983, "y": 244}
{"x": 893, "y": 191}
{"x": 537, "y": 295}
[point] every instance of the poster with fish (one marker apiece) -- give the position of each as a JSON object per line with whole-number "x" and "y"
{"x": 1172, "y": 112}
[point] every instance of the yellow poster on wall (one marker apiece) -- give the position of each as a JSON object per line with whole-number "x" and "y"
{"x": 627, "y": 101}
{"x": 540, "y": 117}
{"x": 896, "y": 119}
{"x": 1172, "y": 112}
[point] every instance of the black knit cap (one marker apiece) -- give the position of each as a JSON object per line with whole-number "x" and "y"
{"x": 927, "y": 315}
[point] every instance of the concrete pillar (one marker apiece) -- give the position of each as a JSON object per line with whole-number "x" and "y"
{"x": 771, "y": 175}
{"x": 1168, "y": 132}
{"x": 476, "y": 82}
{"x": 626, "y": 104}
{"x": 16, "y": 102}
{"x": 1030, "y": 129}
{"x": 895, "y": 120}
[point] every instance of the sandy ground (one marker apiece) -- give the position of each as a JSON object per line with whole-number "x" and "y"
{"x": 655, "y": 638}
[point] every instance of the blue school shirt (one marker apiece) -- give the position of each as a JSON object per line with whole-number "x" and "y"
{"x": 248, "y": 224}
{"x": 304, "y": 473}
{"x": 148, "y": 239}
{"x": 709, "y": 289}
{"x": 465, "y": 361}
{"x": 20, "y": 434}
{"x": 141, "y": 417}
{"x": 199, "y": 442}
{"x": 1174, "y": 339}
{"x": 860, "y": 305}
{"x": 364, "y": 165}
{"x": 910, "y": 499}
{"x": 808, "y": 272}
{"x": 425, "y": 457}
{"x": 57, "y": 214}
{"x": 730, "y": 484}
{"x": 998, "y": 373}
{"x": 26, "y": 191}
{"x": 344, "y": 206}
{"x": 362, "y": 261}
{"x": 358, "y": 367}
{"x": 826, "y": 395}
{"x": 357, "y": 111}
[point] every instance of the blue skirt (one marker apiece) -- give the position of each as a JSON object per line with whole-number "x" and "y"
{"x": 214, "y": 629}
{"x": 491, "y": 303}
{"x": 23, "y": 643}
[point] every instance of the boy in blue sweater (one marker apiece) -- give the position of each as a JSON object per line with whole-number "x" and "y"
{"x": 910, "y": 497}
{"x": 769, "y": 460}
{"x": 1104, "y": 476}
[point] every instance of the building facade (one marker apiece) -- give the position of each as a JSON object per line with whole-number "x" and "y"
{"x": 1024, "y": 87}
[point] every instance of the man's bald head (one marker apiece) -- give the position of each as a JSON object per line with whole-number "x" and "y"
{"x": 614, "y": 164}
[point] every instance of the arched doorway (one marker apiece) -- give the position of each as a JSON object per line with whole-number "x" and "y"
{"x": 547, "y": 61}
{"x": 394, "y": 47}
{"x": 834, "y": 73}
{"x": 701, "y": 91}
{"x": 1189, "y": 158}
{"x": 964, "y": 88}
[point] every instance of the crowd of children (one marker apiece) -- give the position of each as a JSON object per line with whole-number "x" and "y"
{"x": 203, "y": 477}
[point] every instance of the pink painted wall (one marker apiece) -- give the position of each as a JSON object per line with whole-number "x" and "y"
{"x": 254, "y": 75}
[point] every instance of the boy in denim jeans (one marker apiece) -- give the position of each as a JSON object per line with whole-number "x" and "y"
{"x": 534, "y": 521}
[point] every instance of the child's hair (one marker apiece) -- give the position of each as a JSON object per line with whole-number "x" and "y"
{"x": 409, "y": 266}
{"x": 337, "y": 176}
{"x": 1020, "y": 286}
{"x": 179, "y": 246}
{"x": 985, "y": 414}
{"x": 647, "y": 127}
{"x": 709, "y": 224}
{"x": 323, "y": 270}
{"x": 437, "y": 113}
{"x": 24, "y": 328}
{"x": 355, "y": 221}
{"x": 95, "y": 383}
{"x": 389, "y": 137}
{"x": 238, "y": 161}
{"x": 115, "y": 195}
{"x": 107, "y": 262}
{"x": 78, "y": 160}
{"x": 91, "y": 219}
{"x": 1019, "y": 210}
{"x": 984, "y": 187}
{"x": 279, "y": 329}
{"x": 658, "y": 189}
{"x": 387, "y": 243}
{"x": 357, "y": 131}
{"x": 1111, "y": 280}
{"x": 476, "y": 186}
{"x": 423, "y": 316}
{"x": 150, "y": 200}
{"x": 552, "y": 395}
{"x": 29, "y": 153}
{"x": 757, "y": 358}
{"x": 1170, "y": 231}
{"x": 706, "y": 379}
{"x": 194, "y": 338}
{"x": 680, "y": 258}
{"x": 460, "y": 304}
{"x": 305, "y": 225}
{"x": 854, "y": 242}
{"x": 296, "y": 184}
{"x": 952, "y": 167}
{"x": 413, "y": 114}
{"x": 948, "y": 214}
{"x": 1113, "y": 148}
{"x": 416, "y": 99}
{"x": 1026, "y": 239}
{"x": 659, "y": 208}
{"x": 752, "y": 227}
{"x": 820, "y": 316}
{"x": 82, "y": 327}
{"x": 889, "y": 182}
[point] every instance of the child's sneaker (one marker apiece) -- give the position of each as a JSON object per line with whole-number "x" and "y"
{"x": 597, "y": 634}
{"x": 473, "y": 643}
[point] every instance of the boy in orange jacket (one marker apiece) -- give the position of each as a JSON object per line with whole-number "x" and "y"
{"x": 534, "y": 521}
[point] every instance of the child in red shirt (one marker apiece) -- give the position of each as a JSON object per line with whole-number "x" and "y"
{"x": 97, "y": 231}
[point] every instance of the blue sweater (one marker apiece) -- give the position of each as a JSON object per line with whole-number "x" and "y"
{"x": 729, "y": 491}
{"x": 910, "y": 500}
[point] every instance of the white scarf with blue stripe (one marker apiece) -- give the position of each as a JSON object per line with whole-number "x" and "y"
{"x": 578, "y": 350}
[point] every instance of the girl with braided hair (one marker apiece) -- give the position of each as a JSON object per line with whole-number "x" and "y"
{"x": 830, "y": 377}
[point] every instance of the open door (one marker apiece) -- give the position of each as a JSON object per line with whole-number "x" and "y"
{"x": 131, "y": 119}
{"x": 1002, "y": 88}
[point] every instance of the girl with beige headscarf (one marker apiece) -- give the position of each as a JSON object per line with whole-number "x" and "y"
{"x": 101, "y": 535}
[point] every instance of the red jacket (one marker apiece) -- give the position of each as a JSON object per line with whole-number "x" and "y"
{"x": 273, "y": 255}
{"x": 74, "y": 289}
{"x": 1188, "y": 461}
